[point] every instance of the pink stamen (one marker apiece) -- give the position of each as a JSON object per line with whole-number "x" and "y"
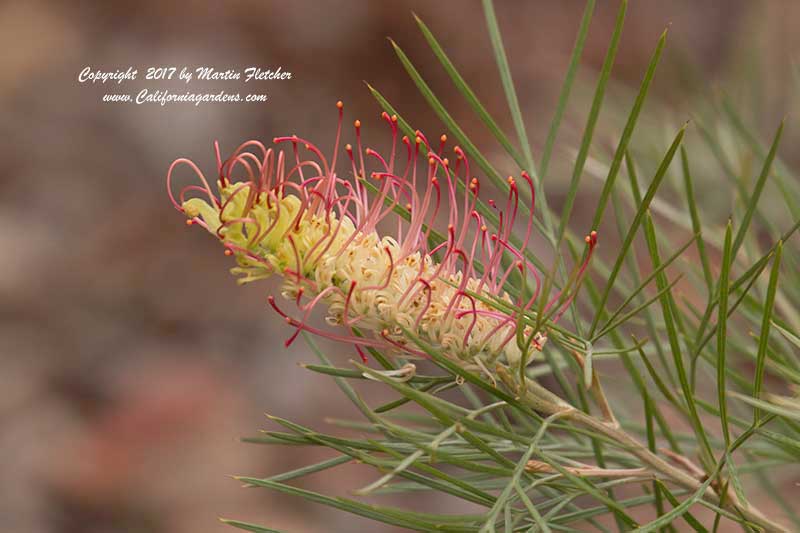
{"x": 296, "y": 256}
{"x": 403, "y": 347}
{"x": 340, "y": 107}
{"x": 591, "y": 242}
{"x": 428, "y": 293}
{"x": 294, "y": 139}
{"x": 468, "y": 333}
{"x": 325, "y": 334}
{"x": 361, "y": 354}
{"x": 199, "y": 174}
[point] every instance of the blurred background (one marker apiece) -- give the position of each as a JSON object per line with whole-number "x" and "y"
{"x": 130, "y": 362}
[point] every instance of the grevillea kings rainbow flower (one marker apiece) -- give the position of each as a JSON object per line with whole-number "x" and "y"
{"x": 293, "y": 214}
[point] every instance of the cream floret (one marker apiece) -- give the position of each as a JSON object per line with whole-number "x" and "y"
{"x": 386, "y": 295}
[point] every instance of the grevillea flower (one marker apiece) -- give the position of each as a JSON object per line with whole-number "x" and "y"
{"x": 293, "y": 214}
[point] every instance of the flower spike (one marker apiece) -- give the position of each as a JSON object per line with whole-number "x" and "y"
{"x": 293, "y": 215}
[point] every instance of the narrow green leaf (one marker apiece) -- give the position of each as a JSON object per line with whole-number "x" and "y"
{"x": 668, "y": 310}
{"x": 532, "y": 511}
{"x": 738, "y": 489}
{"x": 389, "y": 406}
{"x": 457, "y": 370}
{"x": 590, "y": 489}
{"x": 677, "y": 511}
{"x": 405, "y": 463}
{"x": 583, "y": 514}
{"x": 642, "y": 388}
{"x": 640, "y": 287}
{"x": 660, "y": 385}
{"x": 696, "y": 225}
{"x": 503, "y": 498}
{"x": 334, "y": 371}
{"x": 763, "y": 340}
{"x": 447, "y": 119}
{"x": 644, "y": 207}
{"x": 633, "y": 266}
{"x": 341, "y": 382}
{"x": 791, "y": 337}
{"x": 426, "y": 401}
{"x": 636, "y": 310}
{"x": 690, "y": 519}
{"x": 566, "y": 89}
{"x": 405, "y": 127}
{"x": 789, "y": 445}
{"x": 312, "y": 469}
{"x": 747, "y": 278}
{"x": 780, "y": 169}
{"x": 583, "y": 153}
{"x": 722, "y": 332}
{"x": 649, "y": 415}
{"x": 411, "y": 520}
{"x": 248, "y": 527}
{"x": 591, "y": 122}
{"x": 452, "y": 485}
{"x": 752, "y": 199}
{"x": 783, "y": 412}
{"x": 627, "y": 132}
{"x": 468, "y": 94}
{"x": 508, "y": 82}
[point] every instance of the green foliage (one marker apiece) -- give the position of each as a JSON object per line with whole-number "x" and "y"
{"x": 527, "y": 459}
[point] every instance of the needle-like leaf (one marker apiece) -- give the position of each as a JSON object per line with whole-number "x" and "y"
{"x": 722, "y": 333}
{"x": 763, "y": 340}
{"x": 508, "y": 83}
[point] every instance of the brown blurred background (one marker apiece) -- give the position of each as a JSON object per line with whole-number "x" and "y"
{"x": 130, "y": 362}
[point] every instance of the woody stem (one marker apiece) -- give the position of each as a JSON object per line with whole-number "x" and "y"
{"x": 544, "y": 401}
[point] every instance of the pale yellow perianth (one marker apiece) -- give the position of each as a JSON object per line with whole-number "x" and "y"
{"x": 356, "y": 275}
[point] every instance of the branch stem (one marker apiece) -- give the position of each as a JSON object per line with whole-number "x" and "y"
{"x": 544, "y": 401}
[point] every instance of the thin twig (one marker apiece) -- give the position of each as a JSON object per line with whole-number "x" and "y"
{"x": 535, "y": 467}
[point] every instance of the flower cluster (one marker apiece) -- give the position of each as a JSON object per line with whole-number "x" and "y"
{"x": 294, "y": 215}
